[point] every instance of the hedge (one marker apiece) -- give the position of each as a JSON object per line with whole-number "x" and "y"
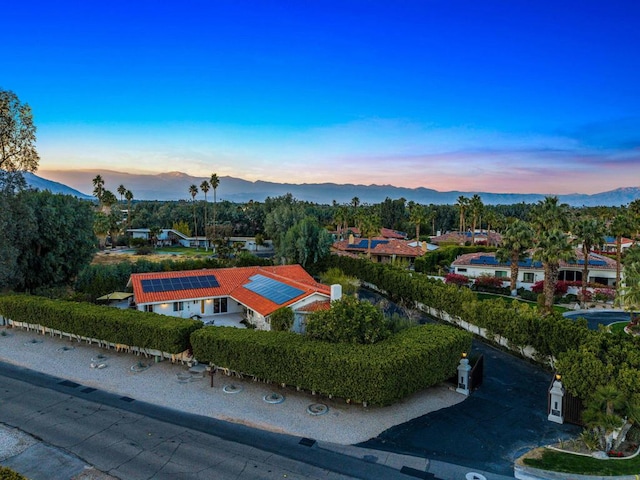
{"x": 129, "y": 327}
{"x": 7, "y": 474}
{"x": 378, "y": 374}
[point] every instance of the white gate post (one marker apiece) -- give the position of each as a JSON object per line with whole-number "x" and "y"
{"x": 556, "y": 393}
{"x": 463, "y": 375}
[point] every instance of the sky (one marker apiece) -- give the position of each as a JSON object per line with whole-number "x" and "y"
{"x": 506, "y": 96}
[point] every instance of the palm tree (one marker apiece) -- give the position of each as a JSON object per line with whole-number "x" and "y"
{"x": 550, "y": 220}
{"x": 369, "y": 227}
{"x": 122, "y": 191}
{"x": 476, "y": 206}
{"x": 341, "y": 218}
{"x": 193, "y": 190}
{"x": 516, "y": 241}
{"x": 98, "y": 188}
{"x": 204, "y": 186}
{"x": 462, "y": 204}
{"x": 552, "y": 247}
{"x": 628, "y": 295}
{"x": 129, "y": 197}
{"x": 619, "y": 226}
{"x": 417, "y": 215}
{"x": 214, "y": 182}
{"x": 492, "y": 219}
{"x": 590, "y": 233}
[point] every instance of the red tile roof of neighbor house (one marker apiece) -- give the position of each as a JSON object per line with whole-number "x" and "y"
{"x": 316, "y": 306}
{"x": 379, "y": 246}
{"x": 231, "y": 283}
{"x": 602, "y": 262}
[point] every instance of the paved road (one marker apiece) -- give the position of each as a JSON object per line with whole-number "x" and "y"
{"x": 131, "y": 439}
{"x": 499, "y": 422}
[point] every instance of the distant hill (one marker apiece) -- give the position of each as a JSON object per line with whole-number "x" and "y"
{"x": 39, "y": 183}
{"x": 175, "y": 186}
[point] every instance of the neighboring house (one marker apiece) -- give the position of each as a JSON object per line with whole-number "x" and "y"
{"x": 601, "y": 269}
{"x": 462, "y": 238}
{"x": 170, "y": 237}
{"x": 383, "y": 250}
{"x": 251, "y": 292}
{"x": 384, "y": 233}
{"x": 610, "y": 246}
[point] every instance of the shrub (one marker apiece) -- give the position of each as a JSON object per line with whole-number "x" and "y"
{"x": 561, "y": 288}
{"x": 603, "y": 294}
{"x": 282, "y": 319}
{"x": 456, "y": 279}
{"x": 7, "y": 474}
{"x": 348, "y": 321}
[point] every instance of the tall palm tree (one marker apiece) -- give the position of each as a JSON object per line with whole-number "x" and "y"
{"x": 98, "y": 188}
{"x": 476, "y": 207}
{"x": 619, "y": 227}
{"x": 417, "y": 216}
{"x": 122, "y": 190}
{"x": 204, "y": 186}
{"x": 491, "y": 219}
{"x": 552, "y": 247}
{"x": 548, "y": 214}
{"x": 369, "y": 227}
{"x": 628, "y": 295}
{"x": 516, "y": 241}
{"x": 214, "y": 182}
{"x": 590, "y": 233}
{"x": 462, "y": 204}
{"x": 341, "y": 218}
{"x": 193, "y": 190}
{"x": 129, "y": 197}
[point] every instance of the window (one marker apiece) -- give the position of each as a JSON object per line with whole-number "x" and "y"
{"x": 570, "y": 276}
{"x": 178, "y": 306}
{"x": 148, "y": 308}
{"x": 462, "y": 270}
{"x": 501, "y": 274}
{"x": 220, "y": 305}
{"x": 528, "y": 277}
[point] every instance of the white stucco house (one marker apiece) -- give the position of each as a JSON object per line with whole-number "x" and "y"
{"x": 248, "y": 293}
{"x": 601, "y": 270}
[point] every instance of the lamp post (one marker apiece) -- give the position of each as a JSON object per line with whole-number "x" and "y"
{"x": 463, "y": 375}
{"x": 555, "y": 401}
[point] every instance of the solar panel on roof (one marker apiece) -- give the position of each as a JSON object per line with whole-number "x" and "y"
{"x": 179, "y": 283}
{"x": 272, "y": 290}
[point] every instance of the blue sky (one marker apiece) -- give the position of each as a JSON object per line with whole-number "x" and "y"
{"x": 501, "y": 96}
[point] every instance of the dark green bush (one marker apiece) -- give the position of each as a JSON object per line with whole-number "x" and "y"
{"x": 7, "y": 474}
{"x": 379, "y": 374}
{"x": 282, "y": 319}
{"x": 129, "y": 327}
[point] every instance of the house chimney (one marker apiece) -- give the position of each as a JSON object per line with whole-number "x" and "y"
{"x": 424, "y": 246}
{"x": 351, "y": 239}
{"x": 336, "y": 292}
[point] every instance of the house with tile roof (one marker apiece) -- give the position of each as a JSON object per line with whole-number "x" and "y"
{"x": 462, "y": 238}
{"x": 601, "y": 270}
{"x": 383, "y": 250}
{"x": 248, "y": 293}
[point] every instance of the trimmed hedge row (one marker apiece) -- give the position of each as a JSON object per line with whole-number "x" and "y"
{"x": 378, "y": 374}
{"x": 129, "y": 327}
{"x": 7, "y": 474}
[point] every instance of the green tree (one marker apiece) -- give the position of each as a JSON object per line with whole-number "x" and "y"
{"x": 516, "y": 242}
{"x": 182, "y": 227}
{"x": 628, "y": 294}
{"x": 17, "y": 141}
{"x": 550, "y": 220}
{"x": 590, "y": 233}
{"x": 98, "y": 188}
{"x": 463, "y": 203}
{"x": 128, "y": 195}
{"x": 621, "y": 225}
{"x": 369, "y": 224}
{"x": 193, "y": 191}
{"x": 476, "y": 208}
{"x": 348, "y": 321}
{"x": 306, "y": 242}
{"x": 335, "y": 276}
{"x": 58, "y": 239}
{"x": 214, "y": 182}
{"x": 204, "y": 186}
{"x": 417, "y": 216}
{"x": 121, "y": 191}
{"x": 282, "y": 319}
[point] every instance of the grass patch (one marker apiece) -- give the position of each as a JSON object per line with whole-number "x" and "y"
{"x": 578, "y": 464}
{"x": 618, "y": 327}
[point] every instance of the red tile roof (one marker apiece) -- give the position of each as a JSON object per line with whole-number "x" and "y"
{"x": 316, "y": 306}
{"x": 231, "y": 281}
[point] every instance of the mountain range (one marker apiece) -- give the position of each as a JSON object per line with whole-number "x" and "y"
{"x": 175, "y": 186}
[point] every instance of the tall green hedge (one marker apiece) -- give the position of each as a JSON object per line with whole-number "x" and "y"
{"x": 379, "y": 374}
{"x": 7, "y": 474}
{"x": 444, "y": 256}
{"x": 129, "y": 327}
